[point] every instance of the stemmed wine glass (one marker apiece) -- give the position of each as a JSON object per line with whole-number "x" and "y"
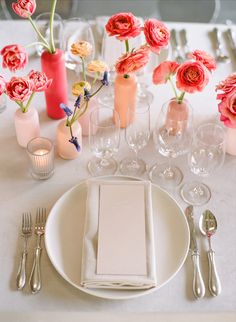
{"x": 76, "y": 29}
{"x": 104, "y": 140}
{"x": 137, "y": 134}
{"x": 205, "y": 157}
{"x": 172, "y": 138}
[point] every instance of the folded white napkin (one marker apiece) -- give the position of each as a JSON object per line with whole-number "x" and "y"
{"x": 89, "y": 276}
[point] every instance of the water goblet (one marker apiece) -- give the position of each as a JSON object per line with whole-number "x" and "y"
{"x": 137, "y": 134}
{"x": 206, "y": 156}
{"x": 104, "y": 140}
{"x": 172, "y": 138}
{"x": 76, "y": 29}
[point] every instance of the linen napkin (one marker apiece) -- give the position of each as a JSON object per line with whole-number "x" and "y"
{"x": 101, "y": 252}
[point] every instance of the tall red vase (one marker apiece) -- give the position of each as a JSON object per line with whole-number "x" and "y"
{"x": 53, "y": 65}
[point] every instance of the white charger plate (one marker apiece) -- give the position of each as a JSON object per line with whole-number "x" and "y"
{"x": 64, "y": 236}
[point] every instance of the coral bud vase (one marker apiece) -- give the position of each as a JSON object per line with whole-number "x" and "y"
{"x": 231, "y": 140}
{"x": 26, "y": 126}
{"x": 54, "y": 67}
{"x": 125, "y": 96}
{"x": 177, "y": 115}
{"x": 66, "y": 149}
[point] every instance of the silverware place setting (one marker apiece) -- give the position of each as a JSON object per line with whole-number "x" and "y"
{"x": 221, "y": 56}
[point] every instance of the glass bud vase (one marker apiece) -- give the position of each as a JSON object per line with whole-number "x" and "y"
{"x": 125, "y": 91}
{"x": 66, "y": 149}
{"x": 231, "y": 140}
{"x": 176, "y": 114}
{"x": 26, "y": 126}
{"x": 53, "y": 65}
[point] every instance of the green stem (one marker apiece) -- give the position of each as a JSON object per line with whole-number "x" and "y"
{"x": 127, "y": 45}
{"x": 181, "y": 97}
{"x": 99, "y": 88}
{"x": 85, "y": 109}
{"x": 173, "y": 87}
{"x": 83, "y": 69}
{"x": 21, "y": 106}
{"x": 34, "y": 44}
{"x": 28, "y": 103}
{"x": 52, "y": 44}
{"x": 44, "y": 40}
{"x": 95, "y": 79}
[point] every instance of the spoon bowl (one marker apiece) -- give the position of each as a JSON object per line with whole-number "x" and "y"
{"x": 208, "y": 227}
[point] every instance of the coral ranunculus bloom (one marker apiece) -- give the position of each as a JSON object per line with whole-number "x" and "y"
{"x": 157, "y": 34}
{"x": 19, "y": 88}
{"x": 24, "y": 8}
{"x": 163, "y": 71}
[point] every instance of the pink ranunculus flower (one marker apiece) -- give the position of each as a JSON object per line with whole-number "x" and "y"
{"x": 40, "y": 81}
{"x": 162, "y": 72}
{"x": 14, "y": 57}
{"x": 157, "y": 34}
{"x": 132, "y": 61}
{"x": 192, "y": 77}
{"x": 226, "y": 86}
{"x": 207, "y": 60}
{"x": 227, "y": 109}
{"x": 24, "y": 8}
{"x": 123, "y": 25}
{"x": 19, "y": 88}
{"x": 2, "y": 85}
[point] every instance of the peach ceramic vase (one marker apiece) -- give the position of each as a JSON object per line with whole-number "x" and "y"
{"x": 26, "y": 126}
{"x": 231, "y": 140}
{"x": 53, "y": 65}
{"x": 176, "y": 114}
{"x": 125, "y": 91}
{"x": 84, "y": 120}
{"x": 66, "y": 149}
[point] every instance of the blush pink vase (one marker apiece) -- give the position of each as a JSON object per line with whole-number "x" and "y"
{"x": 176, "y": 114}
{"x": 54, "y": 67}
{"x": 26, "y": 126}
{"x": 231, "y": 141}
{"x": 65, "y": 149}
{"x": 125, "y": 91}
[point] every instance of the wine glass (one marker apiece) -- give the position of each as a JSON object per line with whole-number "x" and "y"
{"x": 137, "y": 134}
{"x": 172, "y": 138}
{"x": 76, "y": 29}
{"x": 104, "y": 140}
{"x": 205, "y": 157}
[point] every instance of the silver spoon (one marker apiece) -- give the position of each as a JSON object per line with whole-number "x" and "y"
{"x": 220, "y": 56}
{"x": 208, "y": 227}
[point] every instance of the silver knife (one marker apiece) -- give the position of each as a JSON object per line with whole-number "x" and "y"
{"x": 198, "y": 284}
{"x": 232, "y": 42}
{"x": 176, "y": 47}
{"x": 185, "y": 43}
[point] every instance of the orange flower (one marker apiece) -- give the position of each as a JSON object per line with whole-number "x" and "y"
{"x": 81, "y": 48}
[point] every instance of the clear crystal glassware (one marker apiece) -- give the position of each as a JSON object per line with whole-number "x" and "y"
{"x": 172, "y": 138}
{"x": 205, "y": 157}
{"x": 137, "y": 134}
{"x": 104, "y": 140}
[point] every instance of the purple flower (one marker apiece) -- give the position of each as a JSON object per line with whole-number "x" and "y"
{"x": 66, "y": 109}
{"x": 74, "y": 141}
{"x": 87, "y": 94}
{"x": 78, "y": 101}
{"x": 105, "y": 80}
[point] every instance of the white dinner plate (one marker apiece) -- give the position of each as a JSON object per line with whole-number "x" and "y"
{"x": 64, "y": 235}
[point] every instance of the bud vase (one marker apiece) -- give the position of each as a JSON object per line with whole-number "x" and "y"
{"x": 177, "y": 115}
{"x": 53, "y": 65}
{"x": 26, "y": 126}
{"x": 84, "y": 120}
{"x": 231, "y": 140}
{"x": 66, "y": 149}
{"x": 125, "y": 91}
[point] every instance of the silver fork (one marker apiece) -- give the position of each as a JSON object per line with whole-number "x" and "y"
{"x": 220, "y": 56}
{"x": 39, "y": 229}
{"x": 26, "y": 230}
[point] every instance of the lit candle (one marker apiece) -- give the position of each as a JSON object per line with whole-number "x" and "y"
{"x": 41, "y": 155}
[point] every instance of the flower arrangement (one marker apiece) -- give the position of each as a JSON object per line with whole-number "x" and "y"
{"x": 227, "y": 95}
{"x": 83, "y": 90}
{"x": 191, "y": 76}
{"x": 125, "y": 26}
{"x": 22, "y": 89}
{"x": 25, "y": 9}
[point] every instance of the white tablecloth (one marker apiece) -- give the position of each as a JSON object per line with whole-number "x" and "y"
{"x": 19, "y": 193}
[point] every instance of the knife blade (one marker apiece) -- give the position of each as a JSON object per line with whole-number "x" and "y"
{"x": 198, "y": 284}
{"x": 232, "y": 42}
{"x": 186, "y": 48}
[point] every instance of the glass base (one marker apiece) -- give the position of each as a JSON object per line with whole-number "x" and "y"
{"x": 98, "y": 167}
{"x": 165, "y": 176}
{"x": 107, "y": 97}
{"x": 195, "y": 193}
{"x": 42, "y": 175}
{"x": 133, "y": 167}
